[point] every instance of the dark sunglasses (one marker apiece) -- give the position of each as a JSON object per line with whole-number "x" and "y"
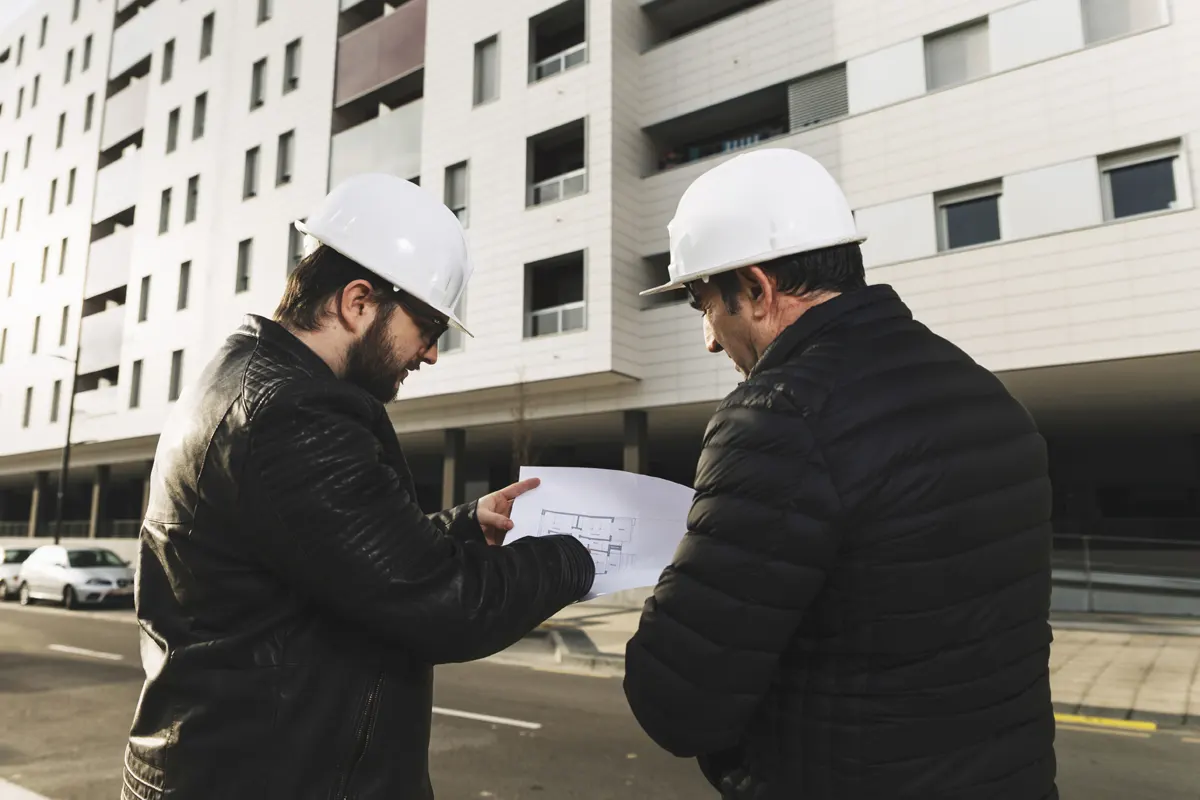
{"x": 431, "y": 324}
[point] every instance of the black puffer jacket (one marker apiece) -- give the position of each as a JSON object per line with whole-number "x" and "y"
{"x": 292, "y": 596}
{"x": 860, "y": 609}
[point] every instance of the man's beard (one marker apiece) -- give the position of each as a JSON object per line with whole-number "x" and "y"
{"x": 371, "y": 362}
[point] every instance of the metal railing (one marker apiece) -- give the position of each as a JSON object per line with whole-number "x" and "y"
{"x": 125, "y": 528}
{"x": 560, "y": 187}
{"x": 14, "y": 529}
{"x": 1143, "y": 564}
{"x": 559, "y": 319}
{"x": 559, "y": 62}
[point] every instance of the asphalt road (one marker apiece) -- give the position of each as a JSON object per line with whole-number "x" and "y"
{"x": 69, "y": 684}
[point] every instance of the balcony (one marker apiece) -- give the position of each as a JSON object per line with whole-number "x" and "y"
{"x": 727, "y": 127}
{"x": 554, "y": 297}
{"x": 125, "y": 114}
{"x": 98, "y": 402}
{"x": 557, "y": 164}
{"x": 557, "y": 40}
{"x": 108, "y": 264}
{"x": 381, "y": 53}
{"x": 559, "y": 319}
{"x": 671, "y": 19}
{"x": 134, "y": 41}
{"x": 100, "y": 347}
{"x": 117, "y": 185}
{"x": 389, "y": 143}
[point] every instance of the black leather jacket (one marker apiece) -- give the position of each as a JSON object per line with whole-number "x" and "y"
{"x": 293, "y": 598}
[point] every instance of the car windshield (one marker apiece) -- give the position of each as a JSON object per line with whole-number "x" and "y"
{"x": 94, "y": 558}
{"x": 16, "y": 556}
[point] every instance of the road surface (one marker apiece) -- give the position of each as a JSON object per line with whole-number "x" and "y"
{"x": 69, "y": 683}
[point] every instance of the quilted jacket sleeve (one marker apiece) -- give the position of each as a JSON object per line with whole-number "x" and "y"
{"x": 459, "y": 522}
{"x": 336, "y": 523}
{"x": 761, "y": 536}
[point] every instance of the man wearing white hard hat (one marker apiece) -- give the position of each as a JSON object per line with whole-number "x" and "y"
{"x": 860, "y": 606}
{"x": 292, "y": 596}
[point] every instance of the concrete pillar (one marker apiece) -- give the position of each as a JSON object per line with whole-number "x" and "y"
{"x": 35, "y": 503}
{"x": 637, "y": 442}
{"x": 452, "y": 467}
{"x": 99, "y": 515}
{"x": 146, "y": 488}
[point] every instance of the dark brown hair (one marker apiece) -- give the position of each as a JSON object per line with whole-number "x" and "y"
{"x": 319, "y": 276}
{"x": 834, "y": 269}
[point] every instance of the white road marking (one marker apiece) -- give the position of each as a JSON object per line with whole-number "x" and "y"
{"x": 79, "y": 651}
{"x": 512, "y": 723}
{"x": 127, "y": 617}
{"x": 10, "y": 791}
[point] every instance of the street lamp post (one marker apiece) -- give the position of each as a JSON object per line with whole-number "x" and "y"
{"x": 65, "y": 463}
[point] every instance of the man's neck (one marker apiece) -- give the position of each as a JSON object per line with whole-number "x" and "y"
{"x": 320, "y": 343}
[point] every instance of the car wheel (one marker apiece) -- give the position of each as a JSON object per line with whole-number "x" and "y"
{"x": 23, "y": 595}
{"x": 3, "y": 591}
{"x": 70, "y": 601}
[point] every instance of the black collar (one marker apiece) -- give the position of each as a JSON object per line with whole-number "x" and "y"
{"x": 270, "y": 331}
{"x": 861, "y": 306}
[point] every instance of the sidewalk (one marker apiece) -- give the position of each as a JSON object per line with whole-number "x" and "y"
{"x": 1125, "y": 668}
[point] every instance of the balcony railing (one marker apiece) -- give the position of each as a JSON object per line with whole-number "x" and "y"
{"x": 102, "y": 334}
{"x": 559, "y": 62}
{"x": 558, "y": 319}
{"x": 389, "y": 143}
{"x": 97, "y": 402}
{"x": 117, "y": 185}
{"x": 726, "y": 144}
{"x": 1096, "y": 564}
{"x": 560, "y": 187}
{"x": 11, "y": 530}
{"x": 108, "y": 264}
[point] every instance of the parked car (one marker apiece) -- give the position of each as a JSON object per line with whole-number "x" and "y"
{"x": 11, "y": 560}
{"x": 75, "y": 576}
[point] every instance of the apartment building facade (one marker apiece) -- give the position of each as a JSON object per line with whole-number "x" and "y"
{"x": 1024, "y": 171}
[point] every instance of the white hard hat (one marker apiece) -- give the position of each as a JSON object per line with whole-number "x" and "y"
{"x": 756, "y": 207}
{"x": 400, "y": 232}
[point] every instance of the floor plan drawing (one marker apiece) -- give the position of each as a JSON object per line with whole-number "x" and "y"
{"x": 608, "y": 539}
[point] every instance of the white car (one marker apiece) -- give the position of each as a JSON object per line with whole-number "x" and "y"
{"x": 11, "y": 559}
{"x": 75, "y": 576}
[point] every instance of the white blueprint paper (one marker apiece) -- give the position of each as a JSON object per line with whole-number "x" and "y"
{"x": 632, "y": 524}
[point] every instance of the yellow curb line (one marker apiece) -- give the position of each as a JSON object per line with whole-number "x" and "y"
{"x": 1106, "y": 722}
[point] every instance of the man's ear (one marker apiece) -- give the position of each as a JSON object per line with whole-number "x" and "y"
{"x": 760, "y": 287}
{"x": 353, "y": 305}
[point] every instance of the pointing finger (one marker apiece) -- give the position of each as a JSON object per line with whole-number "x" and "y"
{"x": 520, "y": 488}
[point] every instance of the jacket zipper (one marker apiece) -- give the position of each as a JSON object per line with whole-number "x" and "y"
{"x": 363, "y": 735}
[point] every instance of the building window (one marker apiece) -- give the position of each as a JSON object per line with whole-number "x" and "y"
{"x": 3, "y": 222}
{"x": 968, "y": 216}
{"x": 135, "y": 385}
{"x": 55, "y": 401}
{"x": 818, "y": 98}
{"x": 62, "y": 257}
{"x": 75, "y": 11}
{"x": 4, "y": 168}
{"x": 453, "y": 338}
{"x": 295, "y": 248}
{"x": 63, "y": 325}
{"x": 69, "y": 66}
{"x": 37, "y": 86}
{"x": 557, "y": 164}
{"x": 37, "y": 334}
{"x": 193, "y": 199}
{"x": 456, "y": 191}
{"x": 284, "y": 158}
{"x": 71, "y": 186}
{"x": 53, "y": 195}
{"x": 1108, "y": 19}
{"x": 487, "y": 70}
{"x": 172, "y": 131}
{"x": 185, "y": 280}
{"x": 245, "y": 252}
{"x": 206, "y": 35}
{"x": 20, "y": 100}
{"x": 28, "y": 407}
{"x": 164, "y": 212}
{"x": 88, "y": 108}
{"x": 558, "y": 40}
{"x": 957, "y": 55}
{"x": 144, "y": 300}
{"x": 3, "y": 343}
{"x": 20, "y": 50}
{"x": 62, "y": 130}
{"x": 176, "y": 376}
{"x": 1141, "y": 182}
{"x": 554, "y": 295}
{"x": 12, "y": 277}
{"x": 28, "y": 151}
{"x": 264, "y": 11}
{"x": 87, "y": 54}
{"x": 291, "y": 67}
{"x": 198, "y": 116}
{"x": 20, "y": 213}
{"x": 42, "y": 35}
{"x": 250, "y": 174}
{"x": 258, "y": 84}
{"x": 45, "y": 263}
{"x": 168, "y": 66}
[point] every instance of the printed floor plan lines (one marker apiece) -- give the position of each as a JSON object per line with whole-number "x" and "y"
{"x": 608, "y": 539}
